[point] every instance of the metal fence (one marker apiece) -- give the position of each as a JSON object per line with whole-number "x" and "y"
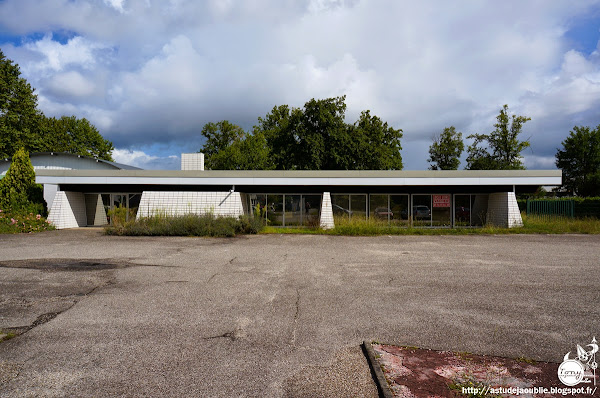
{"x": 551, "y": 208}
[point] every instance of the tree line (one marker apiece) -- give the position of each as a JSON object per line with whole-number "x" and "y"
{"x": 23, "y": 124}
{"x": 314, "y": 137}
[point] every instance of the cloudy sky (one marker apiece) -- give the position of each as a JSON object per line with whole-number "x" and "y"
{"x": 150, "y": 73}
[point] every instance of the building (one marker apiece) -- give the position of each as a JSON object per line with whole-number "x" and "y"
{"x": 294, "y": 198}
{"x": 63, "y": 161}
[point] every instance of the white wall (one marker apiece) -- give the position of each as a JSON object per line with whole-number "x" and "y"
{"x": 503, "y": 210}
{"x": 68, "y": 210}
{"x": 180, "y": 203}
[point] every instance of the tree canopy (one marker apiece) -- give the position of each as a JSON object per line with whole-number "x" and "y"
{"x": 314, "y": 137}
{"x": 23, "y": 125}
{"x": 502, "y": 150}
{"x": 445, "y": 151}
{"x": 579, "y": 160}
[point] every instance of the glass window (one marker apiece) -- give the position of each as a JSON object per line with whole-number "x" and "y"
{"x": 275, "y": 214}
{"x": 421, "y": 210}
{"x": 441, "y": 215}
{"x": 462, "y": 210}
{"x": 134, "y": 204}
{"x": 340, "y": 205}
{"x": 479, "y": 205}
{"x": 293, "y": 210}
{"x": 312, "y": 210}
{"x": 399, "y": 210}
{"x": 378, "y": 207}
{"x": 358, "y": 206}
{"x": 258, "y": 205}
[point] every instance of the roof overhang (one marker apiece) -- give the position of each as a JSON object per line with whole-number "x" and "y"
{"x": 302, "y": 178}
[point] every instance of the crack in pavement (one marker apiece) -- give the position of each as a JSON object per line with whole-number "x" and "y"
{"x": 228, "y": 335}
{"x": 296, "y": 316}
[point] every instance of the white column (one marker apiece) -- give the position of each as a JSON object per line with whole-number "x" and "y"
{"x": 327, "y": 212}
{"x": 68, "y": 210}
{"x": 503, "y": 210}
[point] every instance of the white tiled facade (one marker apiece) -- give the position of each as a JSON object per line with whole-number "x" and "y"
{"x": 180, "y": 203}
{"x": 68, "y": 210}
{"x": 503, "y": 210}
{"x": 327, "y": 212}
{"x": 192, "y": 161}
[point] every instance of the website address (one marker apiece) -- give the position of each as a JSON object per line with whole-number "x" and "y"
{"x": 529, "y": 390}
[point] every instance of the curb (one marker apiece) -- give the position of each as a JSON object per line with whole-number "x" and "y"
{"x": 383, "y": 387}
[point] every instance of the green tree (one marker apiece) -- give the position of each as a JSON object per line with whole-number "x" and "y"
{"x": 77, "y": 136}
{"x": 281, "y": 129}
{"x": 323, "y": 139}
{"x": 229, "y": 147}
{"x": 446, "y": 149}
{"x": 503, "y": 147}
{"x": 314, "y": 137}
{"x": 19, "y": 116}
{"x": 579, "y": 160}
{"x": 377, "y": 145}
{"x": 18, "y": 187}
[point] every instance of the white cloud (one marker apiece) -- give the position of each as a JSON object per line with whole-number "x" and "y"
{"x": 71, "y": 84}
{"x": 155, "y": 72}
{"x": 77, "y": 52}
{"x": 116, "y": 4}
{"x": 143, "y": 160}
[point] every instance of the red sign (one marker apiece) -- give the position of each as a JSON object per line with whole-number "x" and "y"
{"x": 441, "y": 200}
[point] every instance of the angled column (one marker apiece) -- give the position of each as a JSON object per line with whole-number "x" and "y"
{"x": 326, "y": 212}
{"x": 503, "y": 210}
{"x": 68, "y": 210}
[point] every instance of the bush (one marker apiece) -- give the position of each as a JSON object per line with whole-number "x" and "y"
{"x": 28, "y": 219}
{"x": 186, "y": 225}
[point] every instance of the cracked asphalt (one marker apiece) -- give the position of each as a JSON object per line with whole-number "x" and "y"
{"x": 277, "y": 315}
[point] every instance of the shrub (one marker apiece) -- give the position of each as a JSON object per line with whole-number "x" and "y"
{"x": 26, "y": 220}
{"x": 18, "y": 190}
{"x": 186, "y": 225}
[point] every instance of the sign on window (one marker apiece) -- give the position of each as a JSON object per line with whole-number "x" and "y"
{"x": 441, "y": 200}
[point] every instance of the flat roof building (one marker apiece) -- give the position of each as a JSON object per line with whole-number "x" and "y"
{"x": 295, "y": 198}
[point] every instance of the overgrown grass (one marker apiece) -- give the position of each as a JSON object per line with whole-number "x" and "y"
{"x": 186, "y": 225}
{"x": 26, "y": 219}
{"x": 370, "y": 227}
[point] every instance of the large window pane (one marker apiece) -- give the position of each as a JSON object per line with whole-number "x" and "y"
{"x": 358, "y": 206}
{"x": 340, "y": 205}
{"x": 479, "y": 205}
{"x": 378, "y": 207}
{"x": 258, "y": 205}
{"x": 293, "y": 210}
{"x": 399, "y": 210}
{"x": 462, "y": 210}
{"x": 441, "y": 214}
{"x": 275, "y": 210}
{"x": 312, "y": 210}
{"x": 421, "y": 210}
{"x": 134, "y": 204}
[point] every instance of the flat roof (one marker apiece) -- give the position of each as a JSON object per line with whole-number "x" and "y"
{"x": 302, "y": 177}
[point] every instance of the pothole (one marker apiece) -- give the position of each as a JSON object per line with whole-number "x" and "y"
{"x": 66, "y": 264}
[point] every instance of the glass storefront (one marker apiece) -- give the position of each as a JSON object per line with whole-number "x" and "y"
{"x": 287, "y": 210}
{"x": 402, "y": 210}
{"x": 470, "y": 210}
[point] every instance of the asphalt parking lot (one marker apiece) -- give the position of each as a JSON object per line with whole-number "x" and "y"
{"x": 277, "y": 315}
